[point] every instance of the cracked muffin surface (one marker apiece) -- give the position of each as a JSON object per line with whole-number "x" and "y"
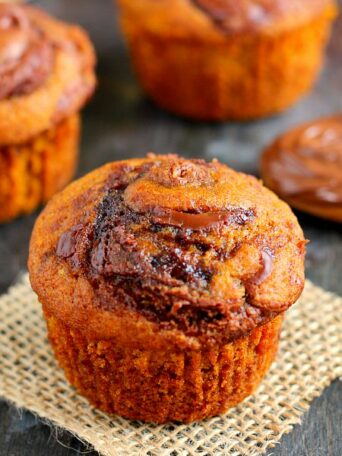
{"x": 170, "y": 255}
{"x": 188, "y": 245}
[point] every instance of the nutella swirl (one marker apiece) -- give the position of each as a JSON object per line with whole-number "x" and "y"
{"x": 26, "y": 54}
{"x": 231, "y": 16}
{"x": 165, "y": 260}
{"x": 304, "y": 166}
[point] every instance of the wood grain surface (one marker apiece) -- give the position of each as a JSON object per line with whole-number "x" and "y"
{"x": 121, "y": 123}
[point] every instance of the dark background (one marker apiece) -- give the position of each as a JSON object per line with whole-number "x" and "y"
{"x": 121, "y": 123}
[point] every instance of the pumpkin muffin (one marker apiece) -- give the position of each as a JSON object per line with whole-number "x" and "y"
{"x": 226, "y": 59}
{"x": 164, "y": 282}
{"x": 47, "y": 75}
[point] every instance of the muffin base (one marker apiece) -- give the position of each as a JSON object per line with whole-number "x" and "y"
{"x": 160, "y": 386}
{"x": 32, "y": 172}
{"x": 243, "y": 76}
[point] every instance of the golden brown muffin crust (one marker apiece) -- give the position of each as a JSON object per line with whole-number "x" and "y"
{"x": 210, "y": 71}
{"x": 182, "y": 250}
{"x": 46, "y": 69}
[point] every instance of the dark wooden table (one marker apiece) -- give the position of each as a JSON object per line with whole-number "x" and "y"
{"x": 121, "y": 123}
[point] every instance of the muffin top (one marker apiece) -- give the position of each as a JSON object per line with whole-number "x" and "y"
{"x": 304, "y": 167}
{"x": 46, "y": 71}
{"x": 219, "y": 18}
{"x": 185, "y": 251}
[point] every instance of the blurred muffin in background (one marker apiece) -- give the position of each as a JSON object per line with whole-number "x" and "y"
{"x": 226, "y": 59}
{"x": 47, "y": 75}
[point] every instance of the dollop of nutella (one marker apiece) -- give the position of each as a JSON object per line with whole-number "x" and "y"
{"x": 26, "y": 54}
{"x": 304, "y": 166}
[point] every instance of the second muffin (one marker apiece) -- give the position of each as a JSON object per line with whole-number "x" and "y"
{"x": 226, "y": 59}
{"x": 164, "y": 282}
{"x": 47, "y": 75}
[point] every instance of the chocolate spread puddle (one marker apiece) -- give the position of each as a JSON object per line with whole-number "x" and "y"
{"x": 305, "y": 165}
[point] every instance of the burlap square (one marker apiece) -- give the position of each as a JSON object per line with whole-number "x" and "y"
{"x": 310, "y": 357}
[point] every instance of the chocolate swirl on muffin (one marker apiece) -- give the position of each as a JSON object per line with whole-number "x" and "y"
{"x": 171, "y": 240}
{"x": 46, "y": 71}
{"x": 245, "y": 15}
{"x": 26, "y": 54}
{"x": 46, "y": 76}
{"x": 304, "y": 167}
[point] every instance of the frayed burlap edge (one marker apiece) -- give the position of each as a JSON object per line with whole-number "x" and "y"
{"x": 309, "y": 358}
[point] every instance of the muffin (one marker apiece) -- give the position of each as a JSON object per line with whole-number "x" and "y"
{"x": 304, "y": 167}
{"x": 226, "y": 59}
{"x": 47, "y": 75}
{"x": 164, "y": 282}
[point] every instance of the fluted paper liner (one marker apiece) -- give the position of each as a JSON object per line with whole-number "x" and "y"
{"x": 309, "y": 358}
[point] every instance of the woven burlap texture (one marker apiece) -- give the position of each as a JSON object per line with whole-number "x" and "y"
{"x": 309, "y": 358}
